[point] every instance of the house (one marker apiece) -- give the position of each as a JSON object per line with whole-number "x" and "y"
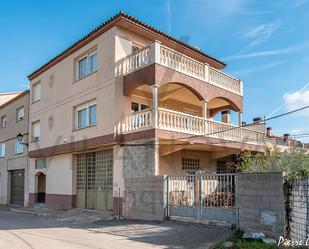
{"x": 128, "y": 100}
{"x": 14, "y": 115}
{"x": 284, "y": 142}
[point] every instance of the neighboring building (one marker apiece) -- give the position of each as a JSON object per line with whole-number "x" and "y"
{"x": 284, "y": 142}
{"x": 5, "y": 97}
{"x": 129, "y": 101}
{"x": 13, "y": 154}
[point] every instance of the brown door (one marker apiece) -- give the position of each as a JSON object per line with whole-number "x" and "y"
{"x": 17, "y": 186}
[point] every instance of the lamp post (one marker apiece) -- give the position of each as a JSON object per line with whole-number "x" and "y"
{"x": 20, "y": 138}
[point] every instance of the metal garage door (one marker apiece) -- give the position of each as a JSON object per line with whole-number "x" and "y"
{"x": 95, "y": 180}
{"x": 17, "y": 186}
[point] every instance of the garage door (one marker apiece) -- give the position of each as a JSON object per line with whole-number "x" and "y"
{"x": 17, "y": 186}
{"x": 95, "y": 180}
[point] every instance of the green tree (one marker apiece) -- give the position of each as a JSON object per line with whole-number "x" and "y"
{"x": 294, "y": 162}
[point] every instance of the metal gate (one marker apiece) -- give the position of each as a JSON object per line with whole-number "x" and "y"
{"x": 209, "y": 197}
{"x": 17, "y": 186}
{"x": 95, "y": 180}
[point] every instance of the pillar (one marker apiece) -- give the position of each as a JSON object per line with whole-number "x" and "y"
{"x": 239, "y": 118}
{"x": 155, "y": 105}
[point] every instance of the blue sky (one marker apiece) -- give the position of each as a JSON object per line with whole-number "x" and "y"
{"x": 265, "y": 43}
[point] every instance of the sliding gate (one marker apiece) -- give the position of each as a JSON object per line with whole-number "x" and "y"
{"x": 202, "y": 197}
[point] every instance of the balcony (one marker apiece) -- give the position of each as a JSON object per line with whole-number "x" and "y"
{"x": 159, "y": 54}
{"x": 184, "y": 123}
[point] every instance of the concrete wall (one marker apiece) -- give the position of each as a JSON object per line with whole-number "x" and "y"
{"x": 139, "y": 161}
{"x": 144, "y": 198}
{"x": 261, "y": 203}
{"x": 172, "y": 164}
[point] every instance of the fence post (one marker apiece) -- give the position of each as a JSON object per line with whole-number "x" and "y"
{"x": 199, "y": 205}
{"x": 236, "y": 200}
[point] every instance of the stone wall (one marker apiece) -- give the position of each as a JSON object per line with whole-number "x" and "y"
{"x": 144, "y": 198}
{"x": 261, "y": 203}
{"x": 139, "y": 159}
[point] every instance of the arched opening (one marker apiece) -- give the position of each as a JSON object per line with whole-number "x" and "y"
{"x": 172, "y": 96}
{"x": 41, "y": 188}
{"x": 224, "y": 110}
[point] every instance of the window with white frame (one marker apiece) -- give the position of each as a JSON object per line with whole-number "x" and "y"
{"x": 86, "y": 115}
{"x": 19, "y": 147}
{"x": 86, "y": 65}
{"x": 20, "y": 114}
{"x": 2, "y": 149}
{"x": 36, "y": 131}
{"x": 36, "y": 92}
{"x": 3, "y": 121}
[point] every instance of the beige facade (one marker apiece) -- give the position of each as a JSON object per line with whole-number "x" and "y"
{"x": 14, "y": 161}
{"x": 141, "y": 98}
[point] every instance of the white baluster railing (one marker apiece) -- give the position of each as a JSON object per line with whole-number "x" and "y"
{"x": 189, "y": 124}
{"x": 134, "y": 121}
{"x": 181, "y": 63}
{"x": 133, "y": 62}
{"x": 224, "y": 80}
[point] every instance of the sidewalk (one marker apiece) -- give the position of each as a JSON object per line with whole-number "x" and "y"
{"x": 75, "y": 216}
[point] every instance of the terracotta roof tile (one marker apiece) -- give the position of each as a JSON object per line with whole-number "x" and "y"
{"x": 120, "y": 15}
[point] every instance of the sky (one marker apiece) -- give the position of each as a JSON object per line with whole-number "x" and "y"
{"x": 265, "y": 43}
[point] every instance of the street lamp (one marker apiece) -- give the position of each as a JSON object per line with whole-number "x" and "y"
{"x": 20, "y": 138}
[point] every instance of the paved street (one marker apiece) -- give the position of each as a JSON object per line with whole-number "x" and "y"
{"x": 24, "y": 231}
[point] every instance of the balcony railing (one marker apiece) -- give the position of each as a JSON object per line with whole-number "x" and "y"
{"x": 189, "y": 124}
{"x": 157, "y": 53}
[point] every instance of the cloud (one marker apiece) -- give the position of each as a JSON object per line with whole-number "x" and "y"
{"x": 261, "y": 33}
{"x": 247, "y": 71}
{"x": 275, "y": 52}
{"x": 295, "y": 100}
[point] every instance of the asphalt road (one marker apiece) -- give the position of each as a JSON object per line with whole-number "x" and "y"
{"x": 24, "y": 231}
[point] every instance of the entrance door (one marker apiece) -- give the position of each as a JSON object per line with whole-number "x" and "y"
{"x": 17, "y": 186}
{"x": 41, "y": 179}
{"x": 95, "y": 180}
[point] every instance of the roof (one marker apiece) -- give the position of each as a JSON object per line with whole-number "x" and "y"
{"x": 15, "y": 98}
{"x": 106, "y": 25}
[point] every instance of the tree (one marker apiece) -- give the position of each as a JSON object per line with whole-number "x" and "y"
{"x": 294, "y": 162}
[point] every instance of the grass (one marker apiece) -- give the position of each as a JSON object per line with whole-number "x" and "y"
{"x": 240, "y": 243}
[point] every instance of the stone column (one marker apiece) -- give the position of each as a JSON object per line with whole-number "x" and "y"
{"x": 155, "y": 105}
{"x": 205, "y": 111}
{"x": 239, "y": 118}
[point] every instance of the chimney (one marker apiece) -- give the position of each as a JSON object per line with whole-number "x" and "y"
{"x": 226, "y": 116}
{"x": 286, "y": 136}
{"x": 257, "y": 120}
{"x": 269, "y": 132}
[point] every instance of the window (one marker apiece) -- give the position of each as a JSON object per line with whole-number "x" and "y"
{"x": 190, "y": 165}
{"x": 86, "y": 115}
{"x": 87, "y": 65}
{"x": 3, "y": 121}
{"x": 19, "y": 147}
{"x": 224, "y": 167}
{"x": 135, "y": 107}
{"x": 36, "y": 92}
{"x": 2, "y": 149}
{"x": 40, "y": 164}
{"x": 20, "y": 113}
{"x": 36, "y": 131}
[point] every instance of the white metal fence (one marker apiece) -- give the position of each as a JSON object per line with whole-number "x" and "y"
{"x": 202, "y": 197}
{"x": 299, "y": 201}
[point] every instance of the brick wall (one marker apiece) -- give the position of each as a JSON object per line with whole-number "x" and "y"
{"x": 261, "y": 203}
{"x": 144, "y": 198}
